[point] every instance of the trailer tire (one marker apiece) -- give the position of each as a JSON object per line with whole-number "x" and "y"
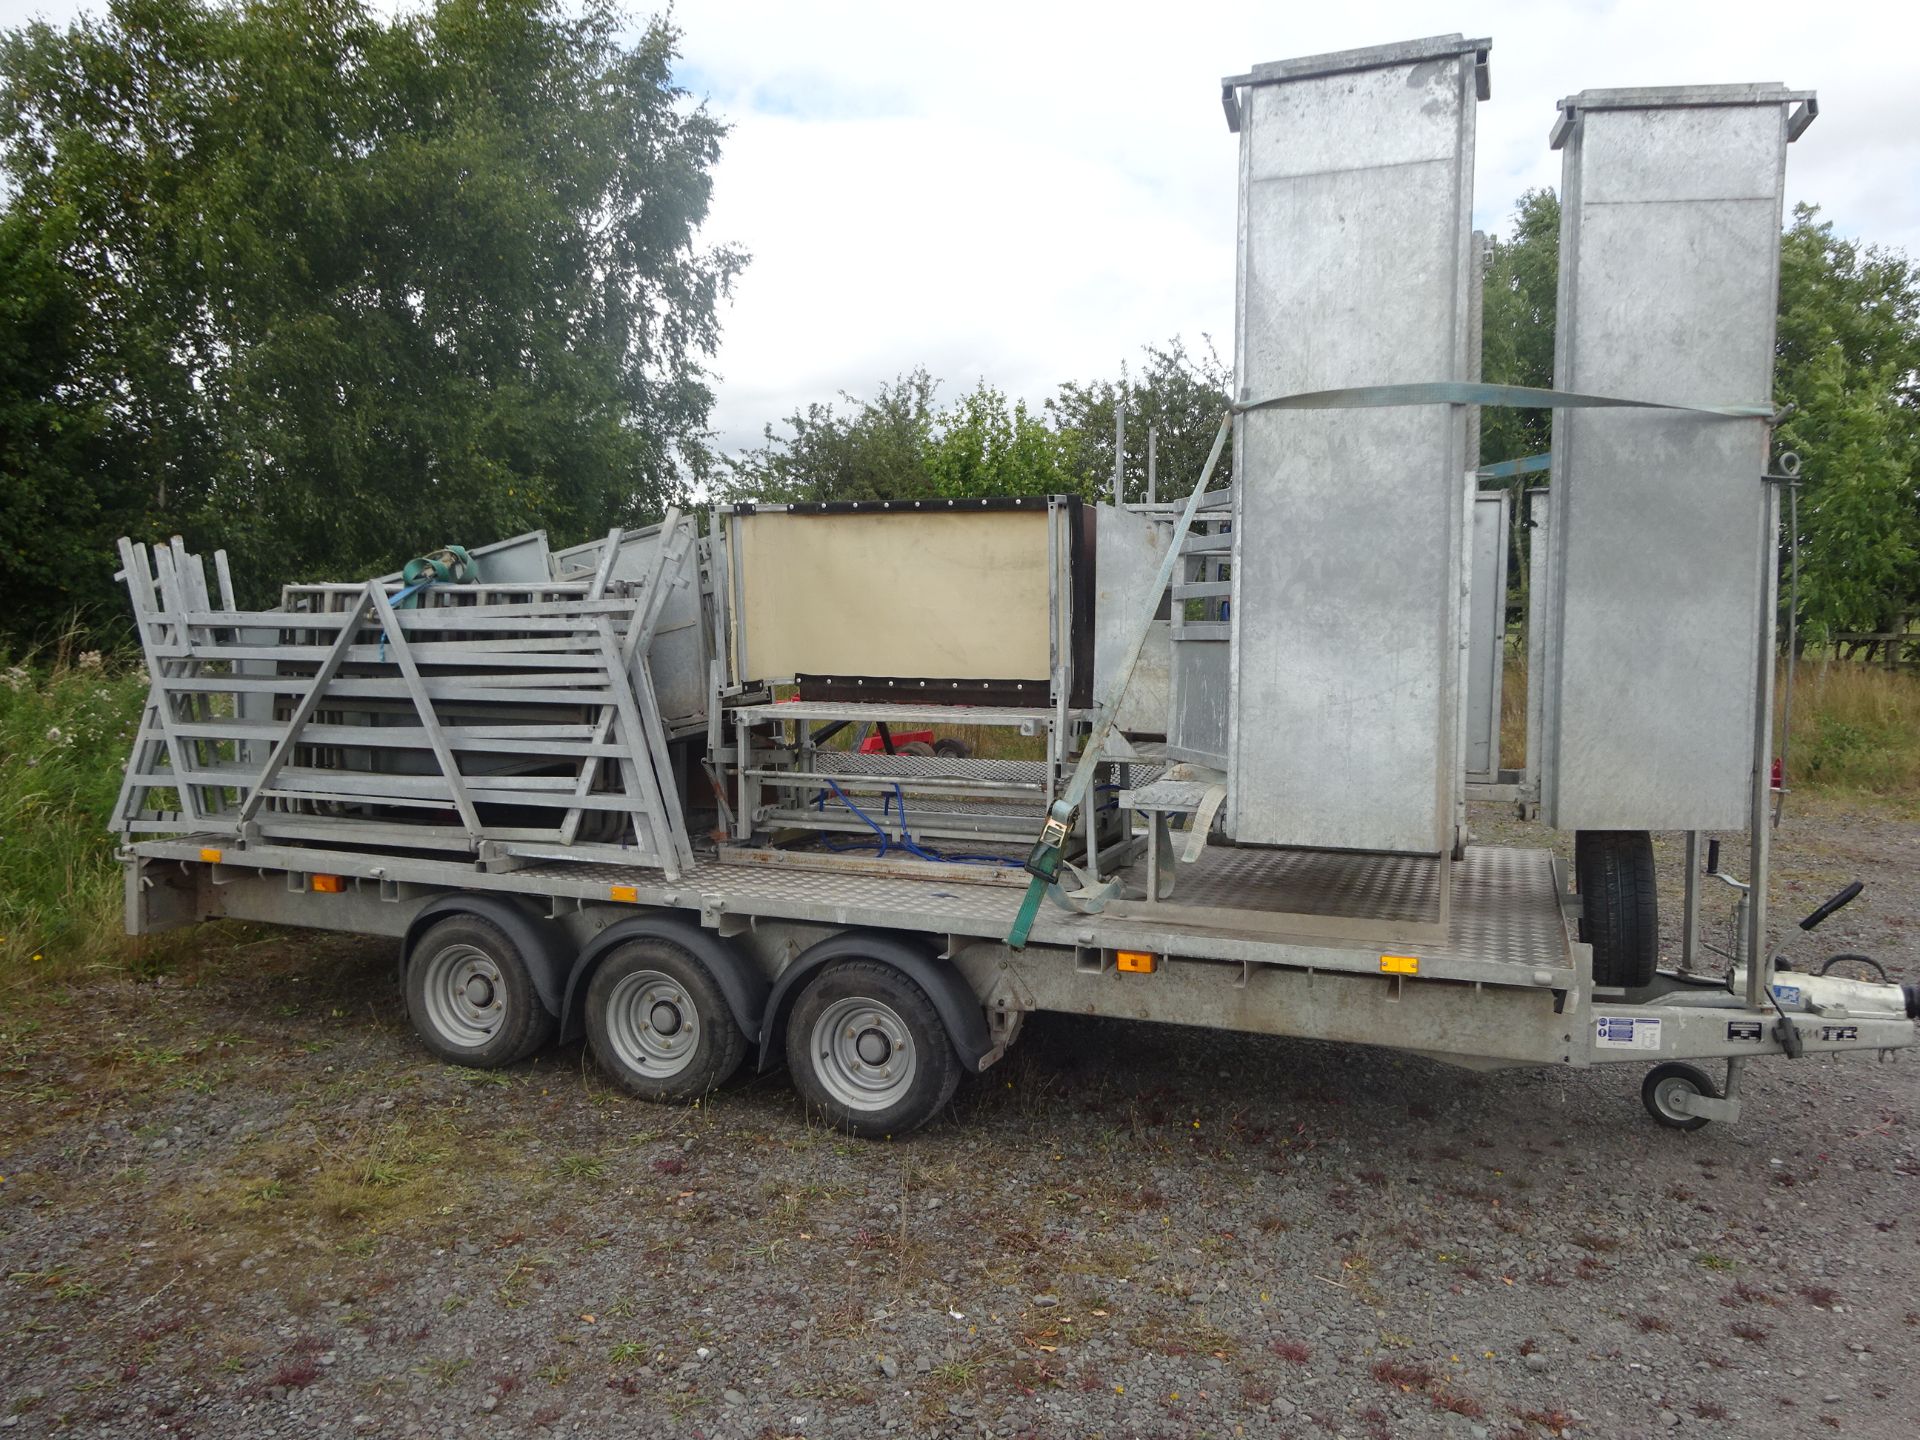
{"x": 471, "y": 996}
{"x": 1619, "y": 906}
{"x": 1663, "y": 1081}
{"x": 867, "y": 1049}
{"x": 659, "y": 1024}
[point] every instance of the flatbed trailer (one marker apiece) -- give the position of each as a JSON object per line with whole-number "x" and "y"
{"x": 606, "y": 792}
{"x": 1511, "y": 985}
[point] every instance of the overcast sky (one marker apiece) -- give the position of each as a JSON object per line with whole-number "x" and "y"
{"x": 1031, "y": 192}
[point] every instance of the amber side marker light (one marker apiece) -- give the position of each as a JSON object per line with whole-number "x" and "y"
{"x": 1135, "y": 962}
{"x": 329, "y": 884}
{"x": 1400, "y": 964}
{"x": 625, "y": 894}
{"x": 212, "y": 857}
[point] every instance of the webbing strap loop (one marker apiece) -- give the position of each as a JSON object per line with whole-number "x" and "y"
{"x": 1474, "y": 392}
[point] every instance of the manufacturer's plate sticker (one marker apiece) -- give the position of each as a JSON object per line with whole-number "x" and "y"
{"x": 1787, "y": 994}
{"x": 1744, "y": 1030}
{"x": 1839, "y": 1032}
{"x": 1621, "y": 1032}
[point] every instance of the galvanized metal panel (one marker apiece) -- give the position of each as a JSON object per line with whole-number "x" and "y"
{"x": 682, "y": 649}
{"x": 1670, "y": 242}
{"x": 1355, "y": 254}
{"x": 1199, "y": 695}
{"x": 1129, "y": 550}
{"x": 1486, "y": 632}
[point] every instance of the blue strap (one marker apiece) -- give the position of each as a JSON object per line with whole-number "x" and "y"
{"x": 399, "y": 598}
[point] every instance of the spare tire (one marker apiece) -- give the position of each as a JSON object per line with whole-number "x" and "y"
{"x": 1619, "y": 906}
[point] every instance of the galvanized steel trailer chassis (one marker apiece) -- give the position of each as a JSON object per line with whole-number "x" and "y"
{"x": 1513, "y": 987}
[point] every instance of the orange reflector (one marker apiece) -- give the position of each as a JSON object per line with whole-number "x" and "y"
{"x": 626, "y": 894}
{"x": 1135, "y": 962}
{"x": 1400, "y": 964}
{"x": 329, "y": 884}
{"x": 213, "y": 857}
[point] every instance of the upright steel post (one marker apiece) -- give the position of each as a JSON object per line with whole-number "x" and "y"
{"x": 1790, "y": 466}
{"x": 1119, "y": 446}
{"x": 1759, "y": 821}
{"x": 1153, "y": 438}
{"x": 1690, "y": 925}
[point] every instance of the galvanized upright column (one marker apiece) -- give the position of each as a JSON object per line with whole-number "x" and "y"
{"x": 1355, "y": 269}
{"x": 1663, "y": 531}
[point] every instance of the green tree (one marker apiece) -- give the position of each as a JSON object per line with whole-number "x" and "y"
{"x": 873, "y": 450}
{"x": 352, "y": 287}
{"x": 1848, "y": 360}
{"x": 1517, "y": 309}
{"x": 63, "y": 495}
{"x": 982, "y": 446}
{"x": 902, "y": 444}
{"x": 1179, "y": 394}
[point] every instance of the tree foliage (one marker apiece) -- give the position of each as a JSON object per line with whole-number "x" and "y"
{"x": 62, "y": 486}
{"x": 1179, "y": 394}
{"x": 904, "y": 444}
{"x": 1516, "y": 325}
{"x": 1847, "y": 360}
{"x": 330, "y": 289}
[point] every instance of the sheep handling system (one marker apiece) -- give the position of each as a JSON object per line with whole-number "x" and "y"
{"x": 609, "y": 790}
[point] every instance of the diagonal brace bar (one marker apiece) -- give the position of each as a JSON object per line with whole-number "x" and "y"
{"x": 309, "y": 702}
{"x": 417, "y": 689}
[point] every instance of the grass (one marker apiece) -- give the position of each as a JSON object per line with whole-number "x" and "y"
{"x": 1856, "y": 728}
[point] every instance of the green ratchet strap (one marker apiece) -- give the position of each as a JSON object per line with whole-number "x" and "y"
{"x": 1473, "y": 392}
{"x": 449, "y": 565}
{"x": 1509, "y": 469}
{"x": 1044, "y": 861}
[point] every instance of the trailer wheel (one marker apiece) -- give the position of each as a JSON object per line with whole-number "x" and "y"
{"x": 471, "y": 996}
{"x": 866, "y": 1047}
{"x": 1619, "y": 912}
{"x": 1664, "y": 1083}
{"x": 658, "y": 1023}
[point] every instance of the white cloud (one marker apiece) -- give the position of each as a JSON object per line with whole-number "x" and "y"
{"x": 1030, "y": 193}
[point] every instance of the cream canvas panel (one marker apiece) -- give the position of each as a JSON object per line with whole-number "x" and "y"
{"x": 951, "y": 595}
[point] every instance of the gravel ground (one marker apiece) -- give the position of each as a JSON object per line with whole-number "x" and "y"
{"x": 240, "y": 1200}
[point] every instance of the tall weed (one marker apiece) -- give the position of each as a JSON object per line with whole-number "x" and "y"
{"x": 66, "y": 727}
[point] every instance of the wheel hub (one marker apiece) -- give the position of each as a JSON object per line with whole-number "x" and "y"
{"x": 463, "y": 994}
{"x": 863, "y": 1054}
{"x": 652, "y": 1024}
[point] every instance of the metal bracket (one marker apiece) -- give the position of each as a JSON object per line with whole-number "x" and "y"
{"x": 1707, "y": 1107}
{"x": 1230, "y": 102}
{"x": 1090, "y": 898}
